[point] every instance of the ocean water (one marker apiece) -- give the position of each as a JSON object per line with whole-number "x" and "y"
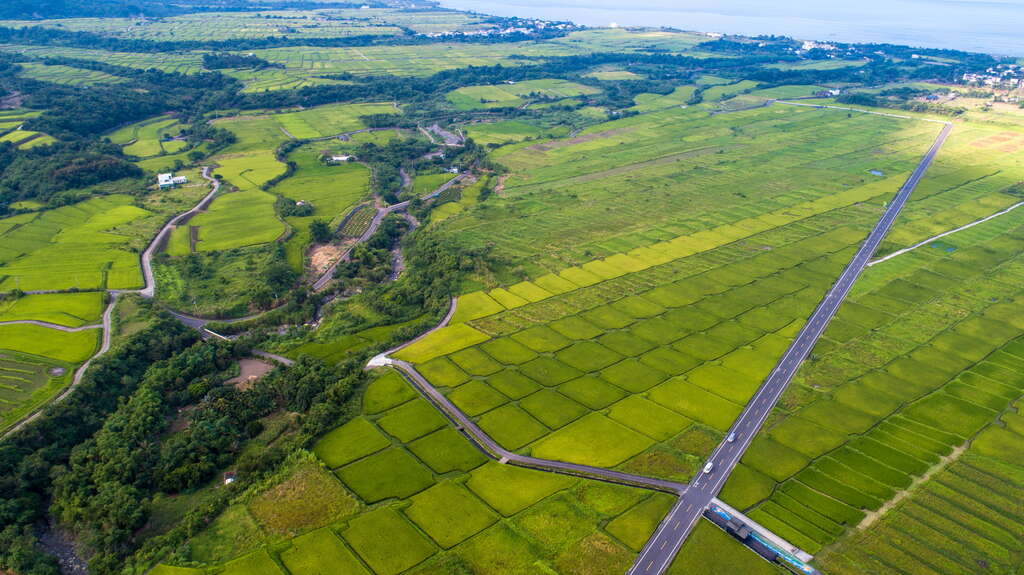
{"x": 990, "y": 26}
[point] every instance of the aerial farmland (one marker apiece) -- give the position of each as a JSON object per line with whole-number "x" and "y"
{"x": 398, "y": 289}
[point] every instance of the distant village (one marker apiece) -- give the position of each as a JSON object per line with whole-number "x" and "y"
{"x": 1004, "y": 76}
{"x": 511, "y": 26}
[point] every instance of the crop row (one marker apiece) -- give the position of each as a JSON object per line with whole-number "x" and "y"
{"x": 898, "y": 410}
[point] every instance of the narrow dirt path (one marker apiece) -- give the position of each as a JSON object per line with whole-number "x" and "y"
{"x": 873, "y": 516}
{"x": 944, "y": 234}
{"x": 326, "y": 277}
{"x": 49, "y": 325}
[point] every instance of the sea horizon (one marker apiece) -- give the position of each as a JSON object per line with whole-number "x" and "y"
{"x": 991, "y": 27}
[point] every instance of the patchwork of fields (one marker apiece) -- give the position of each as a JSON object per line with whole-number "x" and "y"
{"x": 645, "y": 370}
{"x": 634, "y": 182}
{"x": 638, "y": 362}
{"x": 966, "y": 517}
{"x": 402, "y": 475}
{"x": 627, "y": 287}
{"x": 246, "y": 217}
{"x": 304, "y": 65}
{"x": 327, "y": 23}
{"x": 921, "y": 357}
{"x": 515, "y": 94}
{"x": 27, "y": 381}
{"x": 77, "y": 247}
{"x": 147, "y": 138}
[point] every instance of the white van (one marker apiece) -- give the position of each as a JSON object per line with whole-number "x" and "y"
{"x": 709, "y": 467}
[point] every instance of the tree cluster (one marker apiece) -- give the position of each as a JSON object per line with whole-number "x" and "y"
{"x": 104, "y": 491}
{"x": 222, "y": 60}
{"x": 370, "y": 262}
{"x": 43, "y": 172}
{"x": 32, "y": 455}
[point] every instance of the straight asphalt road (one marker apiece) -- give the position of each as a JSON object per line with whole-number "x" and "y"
{"x": 657, "y": 555}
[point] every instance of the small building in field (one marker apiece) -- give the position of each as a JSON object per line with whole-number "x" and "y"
{"x": 169, "y": 180}
{"x": 229, "y": 477}
{"x": 340, "y": 159}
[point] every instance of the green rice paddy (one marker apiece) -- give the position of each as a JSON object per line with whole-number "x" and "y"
{"x": 516, "y": 93}
{"x": 426, "y": 502}
{"x": 150, "y": 137}
{"x": 905, "y": 375}
{"x": 68, "y": 75}
{"x": 74, "y": 246}
{"x": 26, "y": 381}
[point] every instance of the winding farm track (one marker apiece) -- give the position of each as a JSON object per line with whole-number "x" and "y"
{"x": 326, "y": 277}
{"x": 147, "y": 291}
{"x": 491, "y": 447}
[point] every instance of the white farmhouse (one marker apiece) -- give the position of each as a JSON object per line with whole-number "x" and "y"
{"x": 169, "y": 180}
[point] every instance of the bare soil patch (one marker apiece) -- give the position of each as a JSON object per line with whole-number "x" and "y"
{"x": 499, "y": 188}
{"x": 11, "y": 101}
{"x": 323, "y": 256}
{"x": 250, "y": 370}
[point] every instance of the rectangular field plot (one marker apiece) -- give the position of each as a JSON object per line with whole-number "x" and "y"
{"x": 319, "y": 552}
{"x": 72, "y": 247}
{"x": 450, "y": 514}
{"x": 514, "y": 94}
{"x": 387, "y": 542}
{"x": 911, "y": 366}
{"x": 67, "y": 75}
{"x": 71, "y": 309}
{"x": 69, "y": 347}
{"x": 575, "y": 186}
{"x": 26, "y": 381}
{"x": 238, "y": 219}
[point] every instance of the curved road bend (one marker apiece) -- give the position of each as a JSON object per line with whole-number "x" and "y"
{"x": 148, "y": 291}
{"x": 659, "y": 551}
{"x": 492, "y": 448}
